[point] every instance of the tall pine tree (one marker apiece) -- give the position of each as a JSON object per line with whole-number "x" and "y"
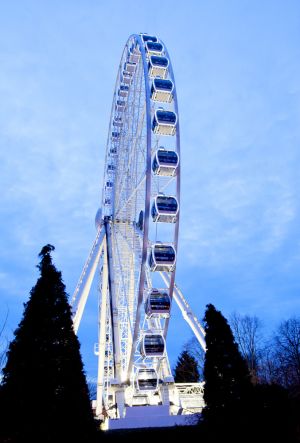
{"x": 44, "y": 395}
{"x": 186, "y": 370}
{"x": 227, "y": 391}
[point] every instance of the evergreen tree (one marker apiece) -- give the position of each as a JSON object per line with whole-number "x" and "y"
{"x": 227, "y": 392}
{"x": 186, "y": 370}
{"x": 44, "y": 395}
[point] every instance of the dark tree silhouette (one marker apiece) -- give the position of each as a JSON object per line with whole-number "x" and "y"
{"x": 44, "y": 394}
{"x": 186, "y": 370}
{"x": 227, "y": 380}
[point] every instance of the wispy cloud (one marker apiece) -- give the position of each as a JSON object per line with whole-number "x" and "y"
{"x": 238, "y": 81}
{"x": 231, "y": 219}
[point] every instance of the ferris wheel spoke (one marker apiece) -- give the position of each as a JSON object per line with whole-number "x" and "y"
{"x": 133, "y": 193}
{"x": 133, "y": 232}
{"x": 122, "y": 298}
{"x": 127, "y": 170}
{"x": 134, "y": 252}
{"x": 133, "y": 154}
{"x": 167, "y": 184}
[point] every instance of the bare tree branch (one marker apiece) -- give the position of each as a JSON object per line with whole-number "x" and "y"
{"x": 287, "y": 352}
{"x": 247, "y": 332}
{"x": 194, "y": 348}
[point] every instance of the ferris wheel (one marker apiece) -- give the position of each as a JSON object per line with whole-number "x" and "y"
{"x": 136, "y": 245}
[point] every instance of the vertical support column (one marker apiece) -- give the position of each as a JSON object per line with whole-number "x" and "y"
{"x": 120, "y": 400}
{"x": 167, "y": 379}
{"x": 120, "y": 397}
{"x": 102, "y": 333}
{"x": 166, "y": 367}
{"x": 164, "y": 393}
{"x": 130, "y": 308}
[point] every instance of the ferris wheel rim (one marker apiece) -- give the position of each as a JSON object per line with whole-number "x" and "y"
{"x": 138, "y": 40}
{"x": 147, "y": 206}
{"x": 176, "y": 234}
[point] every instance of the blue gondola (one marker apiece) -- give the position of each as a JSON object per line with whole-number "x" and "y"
{"x": 123, "y": 90}
{"x": 146, "y": 379}
{"x": 164, "y": 122}
{"x": 162, "y": 257}
{"x": 148, "y": 38}
{"x": 165, "y": 162}
{"x": 108, "y": 369}
{"x": 111, "y": 168}
{"x": 158, "y": 303}
{"x": 120, "y": 105}
{"x": 129, "y": 67}
{"x": 109, "y": 185}
{"x": 162, "y": 90}
{"x": 115, "y": 136}
{"x": 154, "y": 48}
{"x": 117, "y": 121}
{"x": 113, "y": 151}
{"x": 133, "y": 55}
{"x": 107, "y": 201}
{"x": 158, "y": 66}
{"x": 126, "y": 78}
{"x": 152, "y": 345}
{"x": 165, "y": 209}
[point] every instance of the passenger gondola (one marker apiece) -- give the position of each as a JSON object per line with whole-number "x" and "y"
{"x": 164, "y": 122}
{"x": 162, "y": 90}
{"x": 154, "y": 48}
{"x": 117, "y": 121}
{"x": 133, "y": 55}
{"x": 165, "y": 162}
{"x": 157, "y": 303}
{"x": 148, "y": 38}
{"x": 129, "y": 67}
{"x": 164, "y": 209}
{"x": 120, "y": 105}
{"x": 162, "y": 257}
{"x": 123, "y": 90}
{"x": 152, "y": 345}
{"x": 126, "y": 78}
{"x": 115, "y": 136}
{"x": 158, "y": 66}
{"x": 146, "y": 379}
{"x": 111, "y": 168}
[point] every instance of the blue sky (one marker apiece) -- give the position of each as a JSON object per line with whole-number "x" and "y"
{"x": 237, "y": 69}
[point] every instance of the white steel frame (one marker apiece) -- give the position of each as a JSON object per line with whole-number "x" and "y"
{"x": 120, "y": 251}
